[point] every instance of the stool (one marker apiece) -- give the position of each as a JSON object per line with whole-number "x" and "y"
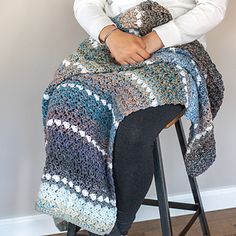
{"x": 162, "y": 197}
{"x": 161, "y": 191}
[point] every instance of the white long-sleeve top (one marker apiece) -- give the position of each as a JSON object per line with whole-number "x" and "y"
{"x": 192, "y": 19}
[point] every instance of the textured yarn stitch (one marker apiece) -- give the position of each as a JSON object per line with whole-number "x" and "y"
{"x": 91, "y": 94}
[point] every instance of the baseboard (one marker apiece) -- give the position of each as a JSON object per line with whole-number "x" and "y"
{"x": 41, "y": 224}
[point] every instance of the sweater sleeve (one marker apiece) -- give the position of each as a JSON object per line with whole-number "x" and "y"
{"x": 193, "y": 24}
{"x": 91, "y": 16}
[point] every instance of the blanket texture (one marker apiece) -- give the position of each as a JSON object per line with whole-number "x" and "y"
{"x": 91, "y": 94}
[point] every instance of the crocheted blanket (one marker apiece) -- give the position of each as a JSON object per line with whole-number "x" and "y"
{"x": 91, "y": 94}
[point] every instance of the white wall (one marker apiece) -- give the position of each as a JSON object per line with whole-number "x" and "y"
{"x": 35, "y": 36}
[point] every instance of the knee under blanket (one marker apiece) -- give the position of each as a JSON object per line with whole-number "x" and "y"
{"x": 91, "y": 94}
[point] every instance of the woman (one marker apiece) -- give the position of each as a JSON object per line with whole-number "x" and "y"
{"x": 192, "y": 19}
{"x": 78, "y": 121}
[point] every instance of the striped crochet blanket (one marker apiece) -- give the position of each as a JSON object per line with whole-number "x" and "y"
{"x": 91, "y": 94}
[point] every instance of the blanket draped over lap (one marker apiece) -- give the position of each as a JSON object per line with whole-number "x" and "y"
{"x": 91, "y": 94}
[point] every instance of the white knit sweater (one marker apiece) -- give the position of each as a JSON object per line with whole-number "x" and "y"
{"x": 192, "y": 19}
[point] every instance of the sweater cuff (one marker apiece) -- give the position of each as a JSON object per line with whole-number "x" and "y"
{"x": 96, "y": 28}
{"x": 169, "y": 33}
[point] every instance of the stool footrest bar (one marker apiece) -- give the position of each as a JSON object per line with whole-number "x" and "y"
{"x": 176, "y": 205}
{"x": 190, "y": 223}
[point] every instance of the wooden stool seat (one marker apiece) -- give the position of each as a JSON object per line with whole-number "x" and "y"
{"x": 175, "y": 119}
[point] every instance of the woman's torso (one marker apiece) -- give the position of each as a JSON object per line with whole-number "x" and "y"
{"x": 176, "y": 8}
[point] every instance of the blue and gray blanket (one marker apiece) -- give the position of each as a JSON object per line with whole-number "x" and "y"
{"x": 91, "y": 94}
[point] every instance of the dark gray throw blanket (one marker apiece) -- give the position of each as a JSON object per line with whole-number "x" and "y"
{"x": 91, "y": 94}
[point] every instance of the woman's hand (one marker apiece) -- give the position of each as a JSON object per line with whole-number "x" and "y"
{"x": 152, "y": 42}
{"x": 126, "y": 48}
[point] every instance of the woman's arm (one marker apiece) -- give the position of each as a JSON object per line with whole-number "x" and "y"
{"x": 193, "y": 24}
{"x": 91, "y": 16}
{"x": 125, "y": 48}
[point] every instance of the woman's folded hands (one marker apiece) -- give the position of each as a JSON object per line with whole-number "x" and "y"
{"x": 128, "y": 48}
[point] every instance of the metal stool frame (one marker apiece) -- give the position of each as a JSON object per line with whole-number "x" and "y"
{"x": 162, "y": 196}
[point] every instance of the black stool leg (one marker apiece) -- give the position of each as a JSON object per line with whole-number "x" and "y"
{"x": 192, "y": 180}
{"x": 161, "y": 190}
{"x": 72, "y": 229}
